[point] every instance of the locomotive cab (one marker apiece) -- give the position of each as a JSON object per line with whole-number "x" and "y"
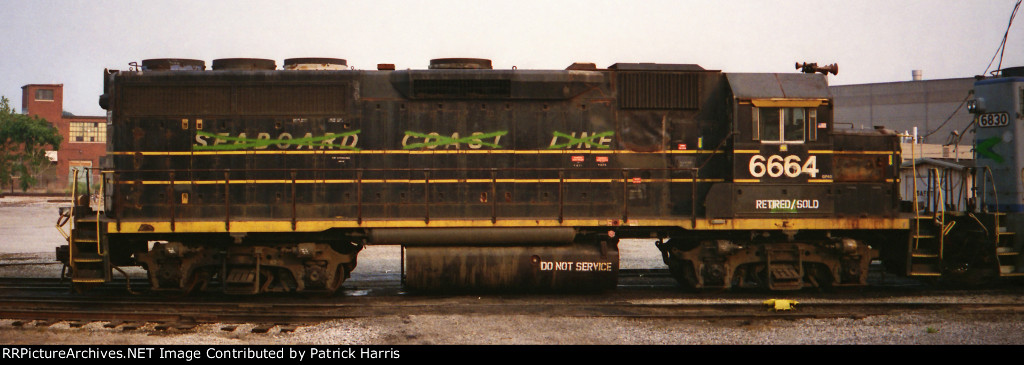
{"x": 792, "y": 211}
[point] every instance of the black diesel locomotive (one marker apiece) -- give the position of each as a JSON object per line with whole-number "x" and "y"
{"x": 250, "y": 179}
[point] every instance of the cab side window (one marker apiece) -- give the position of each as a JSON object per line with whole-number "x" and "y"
{"x": 784, "y": 125}
{"x": 793, "y": 123}
{"x": 769, "y": 118}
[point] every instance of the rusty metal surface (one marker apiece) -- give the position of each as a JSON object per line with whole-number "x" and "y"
{"x": 473, "y": 236}
{"x": 303, "y": 267}
{"x": 244, "y": 64}
{"x": 362, "y": 175}
{"x": 656, "y": 67}
{"x": 659, "y": 90}
{"x": 580, "y": 267}
{"x": 526, "y": 86}
{"x": 461, "y": 145}
{"x": 582, "y": 66}
{"x": 173, "y": 64}
{"x": 311, "y": 63}
{"x": 460, "y": 64}
{"x": 157, "y": 99}
{"x": 767, "y": 86}
{"x": 776, "y": 266}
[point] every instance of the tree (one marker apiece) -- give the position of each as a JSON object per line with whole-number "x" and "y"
{"x": 23, "y": 143}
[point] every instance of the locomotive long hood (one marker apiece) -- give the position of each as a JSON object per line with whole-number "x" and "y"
{"x": 494, "y": 84}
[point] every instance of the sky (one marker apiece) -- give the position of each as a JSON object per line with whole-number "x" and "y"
{"x": 72, "y": 42}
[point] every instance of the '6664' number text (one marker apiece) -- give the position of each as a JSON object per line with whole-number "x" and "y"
{"x": 776, "y": 166}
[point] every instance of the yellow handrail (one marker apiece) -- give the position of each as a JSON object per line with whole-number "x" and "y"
{"x": 995, "y": 194}
{"x": 71, "y": 237}
{"x": 99, "y": 246}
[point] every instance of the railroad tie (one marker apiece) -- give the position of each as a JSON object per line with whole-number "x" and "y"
{"x": 263, "y": 328}
{"x": 77, "y": 324}
{"x": 113, "y": 324}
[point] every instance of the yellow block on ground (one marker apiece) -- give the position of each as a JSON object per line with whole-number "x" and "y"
{"x": 781, "y": 304}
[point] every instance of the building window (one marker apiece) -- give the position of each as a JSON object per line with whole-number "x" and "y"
{"x": 782, "y": 125}
{"x": 44, "y": 94}
{"x": 88, "y": 132}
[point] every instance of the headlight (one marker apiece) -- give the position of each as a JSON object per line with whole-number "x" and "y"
{"x": 976, "y": 106}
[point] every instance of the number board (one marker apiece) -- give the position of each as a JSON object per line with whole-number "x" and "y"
{"x": 795, "y": 165}
{"x": 777, "y": 166}
{"x": 993, "y": 120}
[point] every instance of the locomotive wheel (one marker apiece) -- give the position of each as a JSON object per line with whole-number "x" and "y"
{"x": 818, "y": 276}
{"x": 198, "y": 280}
{"x": 684, "y": 274}
{"x": 344, "y": 272}
{"x": 682, "y": 270}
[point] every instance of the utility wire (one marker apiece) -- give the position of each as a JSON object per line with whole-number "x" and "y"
{"x": 1002, "y": 45}
{"x": 950, "y": 117}
{"x": 999, "y": 52}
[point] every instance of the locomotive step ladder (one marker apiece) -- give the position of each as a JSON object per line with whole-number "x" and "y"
{"x": 926, "y": 241}
{"x": 928, "y": 228}
{"x": 1006, "y": 254}
{"x": 244, "y": 279}
{"x": 785, "y": 268}
{"x": 89, "y": 258}
{"x": 928, "y": 238}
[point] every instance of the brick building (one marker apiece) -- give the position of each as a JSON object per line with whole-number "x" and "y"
{"x": 84, "y": 138}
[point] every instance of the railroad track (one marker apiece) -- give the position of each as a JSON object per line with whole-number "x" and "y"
{"x": 629, "y": 278}
{"x": 380, "y": 283}
{"x": 183, "y": 315}
{"x": 642, "y": 294}
{"x": 287, "y": 312}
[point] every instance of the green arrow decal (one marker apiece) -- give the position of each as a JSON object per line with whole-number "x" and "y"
{"x": 984, "y": 148}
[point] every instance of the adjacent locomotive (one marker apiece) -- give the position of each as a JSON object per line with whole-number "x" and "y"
{"x": 251, "y": 179}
